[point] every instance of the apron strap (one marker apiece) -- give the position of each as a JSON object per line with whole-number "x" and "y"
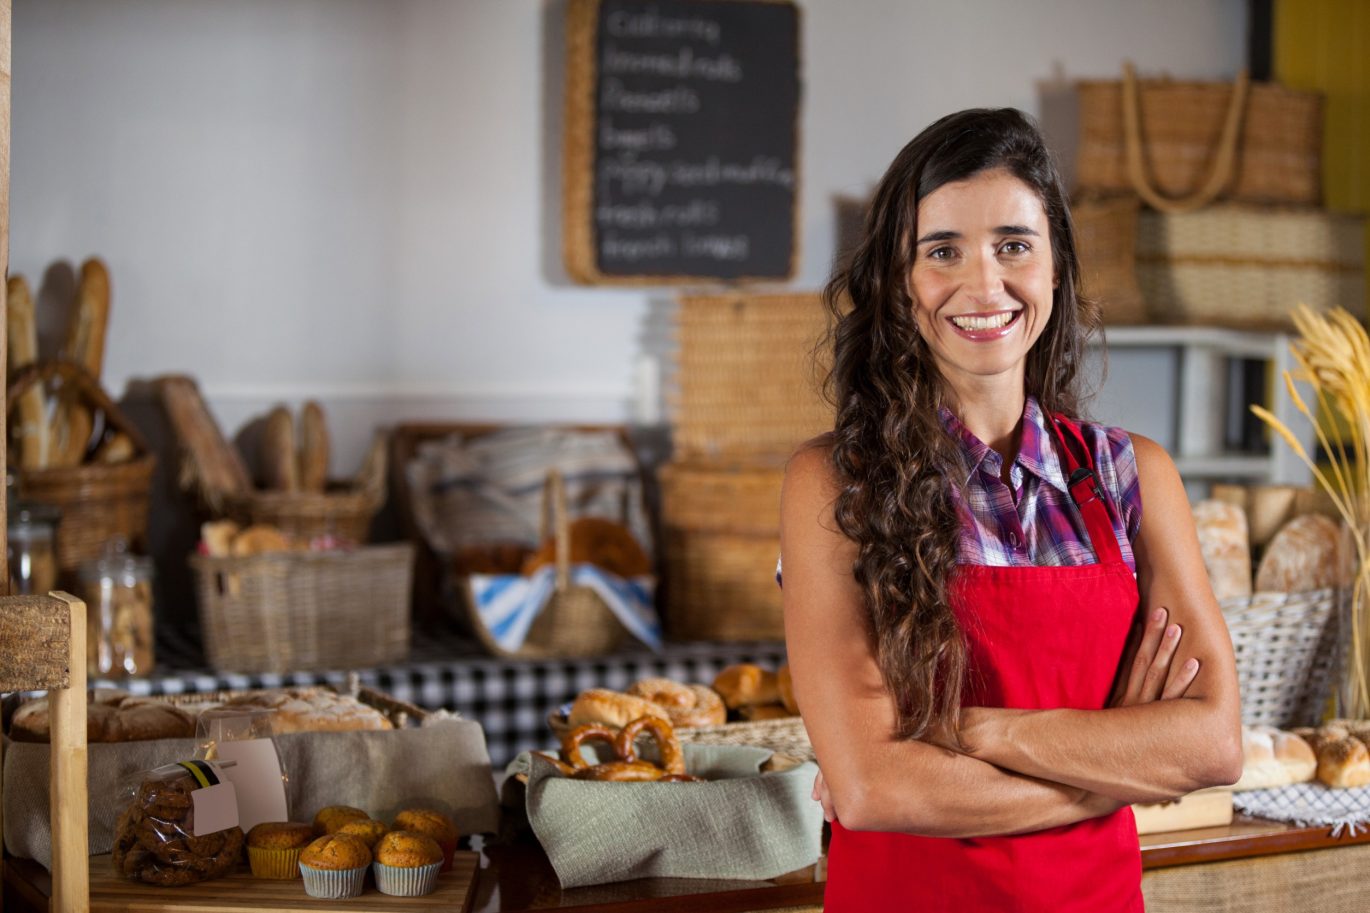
{"x": 1088, "y": 495}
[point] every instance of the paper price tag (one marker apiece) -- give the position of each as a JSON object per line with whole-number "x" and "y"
{"x": 256, "y": 772}
{"x": 215, "y": 799}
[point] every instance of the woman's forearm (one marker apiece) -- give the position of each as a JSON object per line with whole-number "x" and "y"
{"x": 916, "y": 788}
{"x": 1143, "y": 753}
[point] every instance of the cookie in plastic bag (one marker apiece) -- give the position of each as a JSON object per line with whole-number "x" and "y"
{"x": 155, "y": 840}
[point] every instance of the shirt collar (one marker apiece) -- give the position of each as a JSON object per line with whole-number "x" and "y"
{"x": 1036, "y": 452}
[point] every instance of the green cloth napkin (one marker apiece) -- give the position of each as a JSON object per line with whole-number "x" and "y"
{"x": 737, "y": 824}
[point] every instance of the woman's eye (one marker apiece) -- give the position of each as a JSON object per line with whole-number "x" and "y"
{"x": 941, "y": 253}
{"x": 1015, "y": 247}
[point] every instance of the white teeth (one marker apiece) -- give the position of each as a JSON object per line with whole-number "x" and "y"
{"x": 983, "y": 323}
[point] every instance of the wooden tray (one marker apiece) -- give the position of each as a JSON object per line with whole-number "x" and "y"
{"x": 111, "y": 894}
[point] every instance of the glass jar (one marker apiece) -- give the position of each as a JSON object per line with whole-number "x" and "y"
{"x": 30, "y": 549}
{"x": 119, "y": 634}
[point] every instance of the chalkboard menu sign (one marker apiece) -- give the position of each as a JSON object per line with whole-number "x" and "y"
{"x": 681, "y": 143}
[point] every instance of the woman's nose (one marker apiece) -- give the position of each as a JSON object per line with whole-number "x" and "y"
{"x": 984, "y": 280}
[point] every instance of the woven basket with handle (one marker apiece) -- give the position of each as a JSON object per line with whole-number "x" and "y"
{"x": 575, "y": 621}
{"x": 100, "y": 502}
{"x": 1183, "y": 145}
{"x": 1289, "y": 650}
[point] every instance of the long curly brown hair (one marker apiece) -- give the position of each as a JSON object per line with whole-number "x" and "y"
{"x": 895, "y": 461}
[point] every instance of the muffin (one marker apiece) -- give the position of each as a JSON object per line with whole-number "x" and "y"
{"x": 370, "y": 831}
{"x": 407, "y": 864}
{"x": 273, "y": 848}
{"x": 334, "y": 866}
{"x": 333, "y": 817}
{"x": 432, "y": 824}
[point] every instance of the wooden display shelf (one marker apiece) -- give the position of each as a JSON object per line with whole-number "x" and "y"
{"x": 518, "y": 879}
{"x": 111, "y": 894}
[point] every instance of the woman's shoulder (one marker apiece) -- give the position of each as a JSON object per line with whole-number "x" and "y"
{"x": 810, "y": 473}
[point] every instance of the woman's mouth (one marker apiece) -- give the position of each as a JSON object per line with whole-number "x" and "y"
{"x": 985, "y": 326}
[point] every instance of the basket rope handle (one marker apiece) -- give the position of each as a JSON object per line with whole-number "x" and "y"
{"x": 1224, "y": 166}
{"x": 85, "y": 385}
{"x": 556, "y": 523}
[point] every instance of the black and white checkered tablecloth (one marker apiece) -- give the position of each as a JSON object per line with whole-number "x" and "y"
{"x": 509, "y": 698}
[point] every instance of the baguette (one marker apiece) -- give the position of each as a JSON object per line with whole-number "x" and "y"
{"x": 73, "y": 420}
{"x": 117, "y": 448}
{"x": 31, "y": 421}
{"x": 313, "y": 470}
{"x": 279, "y": 471}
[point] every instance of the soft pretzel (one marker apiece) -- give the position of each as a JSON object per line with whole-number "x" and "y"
{"x": 672, "y": 758}
{"x": 689, "y": 706}
{"x": 575, "y": 738}
{"x": 746, "y": 683}
{"x": 621, "y": 770}
{"x": 600, "y": 705}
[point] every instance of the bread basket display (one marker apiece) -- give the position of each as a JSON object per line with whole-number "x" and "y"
{"x": 103, "y": 490}
{"x": 296, "y": 497}
{"x": 596, "y": 604}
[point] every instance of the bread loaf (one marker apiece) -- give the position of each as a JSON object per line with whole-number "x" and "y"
{"x": 600, "y": 705}
{"x": 313, "y": 472}
{"x": 747, "y": 683}
{"x": 30, "y": 418}
{"x": 72, "y": 419}
{"x": 1225, "y": 548}
{"x": 279, "y": 469}
{"x": 1304, "y": 555}
{"x": 1344, "y": 763}
{"x": 313, "y": 710}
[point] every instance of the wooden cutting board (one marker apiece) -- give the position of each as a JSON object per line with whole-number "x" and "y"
{"x": 111, "y": 894}
{"x": 1205, "y": 808}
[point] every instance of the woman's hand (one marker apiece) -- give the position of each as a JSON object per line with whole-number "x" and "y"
{"x": 821, "y": 794}
{"x": 1150, "y": 677}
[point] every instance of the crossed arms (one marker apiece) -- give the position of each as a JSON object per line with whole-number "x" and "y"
{"x": 1172, "y": 727}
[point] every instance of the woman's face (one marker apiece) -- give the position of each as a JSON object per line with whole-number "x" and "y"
{"x": 982, "y": 278}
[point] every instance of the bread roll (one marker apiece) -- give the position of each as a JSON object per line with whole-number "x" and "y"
{"x": 746, "y": 683}
{"x": 217, "y": 536}
{"x": 755, "y": 712}
{"x": 1225, "y": 548}
{"x": 600, "y": 705}
{"x": 1304, "y": 555}
{"x": 258, "y": 539}
{"x": 1344, "y": 763}
{"x": 1260, "y": 768}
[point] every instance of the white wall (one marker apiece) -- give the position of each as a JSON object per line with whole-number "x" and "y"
{"x": 354, "y": 200}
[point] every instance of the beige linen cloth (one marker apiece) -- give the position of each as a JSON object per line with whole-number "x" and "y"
{"x": 739, "y": 823}
{"x": 444, "y": 766}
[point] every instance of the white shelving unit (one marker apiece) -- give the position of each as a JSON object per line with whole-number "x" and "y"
{"x": 1202, "y": 404}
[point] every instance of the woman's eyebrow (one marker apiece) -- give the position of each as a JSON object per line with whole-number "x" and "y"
{"x": 1015, "y": 230}
{"x": 943, "y": 235}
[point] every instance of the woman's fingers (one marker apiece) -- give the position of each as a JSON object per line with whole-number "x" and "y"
{"x": 1146, "y": 654}
{"x": 1183, "y": 678}
{"x": 1156, "y": 676}
{"x": 820, "y": 794}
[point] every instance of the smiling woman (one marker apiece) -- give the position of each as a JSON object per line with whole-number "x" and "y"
{"x": 993, "y": 653}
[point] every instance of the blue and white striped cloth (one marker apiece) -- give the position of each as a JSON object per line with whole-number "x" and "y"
{"x": 508, "y": 603}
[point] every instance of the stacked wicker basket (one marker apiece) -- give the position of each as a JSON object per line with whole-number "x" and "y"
{"x": 1232, "y": 230}
{"x": 748, "y": 391}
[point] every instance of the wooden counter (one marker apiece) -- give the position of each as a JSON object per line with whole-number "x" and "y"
{"x": 518, "y": 878}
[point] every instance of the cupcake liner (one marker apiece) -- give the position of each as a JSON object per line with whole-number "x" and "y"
{"x": 332, "y": 884}
{"x": 405, "y": 881}
{"x": 269, "y": 863}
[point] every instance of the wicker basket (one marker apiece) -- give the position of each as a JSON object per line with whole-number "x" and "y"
{"x": 100, "y": 502}
{"x": 298, "y": 611}
{"x": 1277, "y": 149}
{"x": 747, "y": 383}
{"x": 721, "y": 536}
{"x": 575, "y": 621}
{"x": 1106, "y": 238}
{"x": 1288, "y": 651}
{"x": 343, "y": 512}
{"x": 1248, "y": 266}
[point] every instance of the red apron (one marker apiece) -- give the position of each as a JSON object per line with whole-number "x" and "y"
{"x": 1037, "y": 637}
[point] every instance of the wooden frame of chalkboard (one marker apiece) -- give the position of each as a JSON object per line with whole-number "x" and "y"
{"x": 681, "y": 144}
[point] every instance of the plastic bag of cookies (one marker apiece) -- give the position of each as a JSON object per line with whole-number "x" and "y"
{"x": 170, "y": 836}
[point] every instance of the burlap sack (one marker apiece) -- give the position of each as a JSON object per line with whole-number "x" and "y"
{"x": 443, "y": 766}
{"x": 740, "y": 823}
